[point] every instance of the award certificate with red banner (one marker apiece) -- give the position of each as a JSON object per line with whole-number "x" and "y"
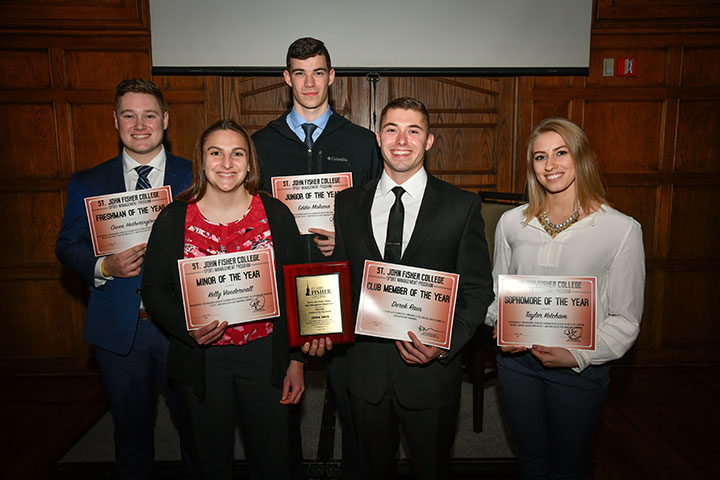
{"x": 397, "y": 299}
{"x": 234, "y": 287}
{"x": 311, "y": 198}
{"x": 547, "y": 310}
{"x": 122, "y": 220}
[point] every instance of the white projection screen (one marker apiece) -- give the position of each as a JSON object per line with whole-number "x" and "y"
{"x": 404, "y": 37}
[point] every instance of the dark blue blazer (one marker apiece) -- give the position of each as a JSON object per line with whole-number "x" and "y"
{"x": 113, "y": 307}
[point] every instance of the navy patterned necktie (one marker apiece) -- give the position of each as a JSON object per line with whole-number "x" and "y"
{"x": 143, "y": 182}
{"x": 393, "y": 240}
{"x": 309, "y": 128}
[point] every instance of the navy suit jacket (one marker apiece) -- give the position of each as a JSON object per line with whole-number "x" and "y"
{"x": 113, "y": 307}
{"x": 449, "y": 236}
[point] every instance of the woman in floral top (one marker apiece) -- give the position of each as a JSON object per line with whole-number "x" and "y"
{"x": 226, "y": 368}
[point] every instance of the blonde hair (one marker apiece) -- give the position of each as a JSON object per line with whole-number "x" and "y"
{"x": 588, "y": 181}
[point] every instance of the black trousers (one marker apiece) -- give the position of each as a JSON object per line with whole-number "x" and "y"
{"x": 238, "y": 387}
{"x": 429, "y": 433}
{"x": 337, "y": 377}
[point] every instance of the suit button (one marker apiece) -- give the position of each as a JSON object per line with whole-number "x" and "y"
{"x": 137, "y": 290}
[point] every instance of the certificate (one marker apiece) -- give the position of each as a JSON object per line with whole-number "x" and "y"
{"x": 311, "y": 198}
{"x": 234, "y": 287}
{"x": 318, "y": 302}
{"x": 122, "y": 220}
{"x": 547, "y": 310}
{"x": 397, "y": 299}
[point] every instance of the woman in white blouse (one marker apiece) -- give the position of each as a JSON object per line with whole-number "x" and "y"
{"x": 553, "y": 395}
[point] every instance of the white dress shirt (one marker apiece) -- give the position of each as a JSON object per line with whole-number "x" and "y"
{"x": 156, "y": 175}
{"x": 606, "y": 244}
{"x": 384, "y": 200}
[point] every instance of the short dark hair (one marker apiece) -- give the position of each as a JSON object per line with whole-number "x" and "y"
{"x": 306, "y": 47}
{"x": 139, "y": 85}
{"x": 407, "y": 103}
{"x": 199, "y": 184}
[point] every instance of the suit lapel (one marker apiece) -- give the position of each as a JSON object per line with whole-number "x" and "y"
{"x": 364, "y": 216}
{"x": 425, "y": 220}
{"x": 171, "y": 175}
{"x": 116, "y": 179}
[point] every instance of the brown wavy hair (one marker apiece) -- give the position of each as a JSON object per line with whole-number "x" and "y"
{"x": 197, "y": 189}
{"x": 588, "y": 181}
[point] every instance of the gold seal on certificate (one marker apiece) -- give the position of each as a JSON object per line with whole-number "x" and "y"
{"x": 318, "y": 302}
{"x": 234, "y": 287}
{"x": 122, "y": 220}
{"x": 397, "y": 299}
{"x": 547, "y": 310}
{"x": 311, "y": 198}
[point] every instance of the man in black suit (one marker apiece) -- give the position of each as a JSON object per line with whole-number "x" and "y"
{"x": 408, "y": 383}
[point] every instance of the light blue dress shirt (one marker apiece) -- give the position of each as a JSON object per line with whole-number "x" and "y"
{"x": 294, "y": 120}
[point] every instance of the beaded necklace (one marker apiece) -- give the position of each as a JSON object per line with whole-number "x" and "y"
{"x": 552, "y": 228}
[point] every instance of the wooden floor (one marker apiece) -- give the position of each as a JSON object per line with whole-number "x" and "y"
{"x": 659, "y": 422}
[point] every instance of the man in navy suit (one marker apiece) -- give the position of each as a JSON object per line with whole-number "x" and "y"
{"x": 409, "y": 217}
{"x": 131, "y": 352}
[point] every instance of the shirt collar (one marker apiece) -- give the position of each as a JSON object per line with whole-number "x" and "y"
{"x": 414, "y": 186}
{"x": 157, "y": 163}
{"x": 296, "y": 119}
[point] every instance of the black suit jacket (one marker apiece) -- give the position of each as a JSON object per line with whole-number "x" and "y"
{"x": 448, "y": 236}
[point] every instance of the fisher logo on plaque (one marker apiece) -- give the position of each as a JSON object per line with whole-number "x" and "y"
{"x": 319, "y": 302}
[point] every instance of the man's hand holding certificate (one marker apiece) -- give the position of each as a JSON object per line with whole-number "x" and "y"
{"x": 547, "y": 311}
{"x": 397, "y": 299}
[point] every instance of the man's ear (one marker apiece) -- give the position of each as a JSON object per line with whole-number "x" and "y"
{"x": 429, "y": 142}
{"x": 117, "y": 127}
{"x": 286, "y": 76}
{"x": 166, "y": 119}
{"x": 331, "y": 75}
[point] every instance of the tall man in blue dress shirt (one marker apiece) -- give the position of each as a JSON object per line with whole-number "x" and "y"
{"x": 310, "y": 138}
{"x": 130, "y": 350}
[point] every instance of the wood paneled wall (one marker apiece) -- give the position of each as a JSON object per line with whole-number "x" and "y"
{"x": 59, "y": 65}
{"x": 657, "y": 135}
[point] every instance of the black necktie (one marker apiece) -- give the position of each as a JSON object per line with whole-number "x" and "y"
{"x": 393, "y": 240}
{"x": 143, "y": 182}
{"x": 308, "y": 128}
